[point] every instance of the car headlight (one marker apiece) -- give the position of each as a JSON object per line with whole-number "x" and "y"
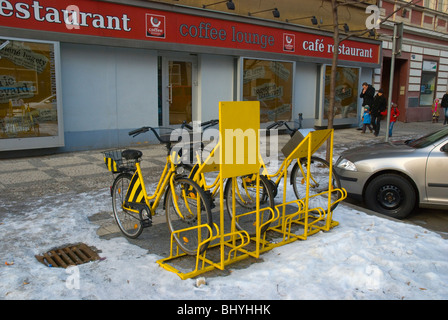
{"x": 346, "y": 165}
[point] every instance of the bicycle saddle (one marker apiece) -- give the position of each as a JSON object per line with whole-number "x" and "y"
{"x": 131, "y": 154}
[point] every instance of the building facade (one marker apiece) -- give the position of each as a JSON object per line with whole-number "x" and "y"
{"x": 80, "y": 75}
{"x": 421, "y": 69}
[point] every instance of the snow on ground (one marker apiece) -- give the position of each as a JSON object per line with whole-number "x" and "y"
{"x": 365, "y": 257}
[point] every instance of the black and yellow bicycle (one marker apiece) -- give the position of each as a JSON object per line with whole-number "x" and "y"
{"x": 186, "y": 205}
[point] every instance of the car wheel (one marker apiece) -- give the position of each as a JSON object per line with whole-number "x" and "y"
{"x": 391, "y": 195}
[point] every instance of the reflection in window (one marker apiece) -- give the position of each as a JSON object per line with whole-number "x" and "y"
{"x": 271, "y": 83}
{"x": 427, "y": 88}
{"x": 180, "y": 95}
{"x": 28, "y": 105}
{"x": 346, "y": 92}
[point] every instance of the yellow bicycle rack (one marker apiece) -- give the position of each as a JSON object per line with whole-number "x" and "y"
{"x": 238, "y": 155}
{"x": 298, "y": 219}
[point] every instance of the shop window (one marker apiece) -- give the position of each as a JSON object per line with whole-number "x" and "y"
{"x": 28, "y": 99}
{"x": 271, "y": 83}
{"x": 346, "y": 92}
{"x": 428, "y": 84}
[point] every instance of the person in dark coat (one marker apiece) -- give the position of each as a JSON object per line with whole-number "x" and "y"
{"x": 444, "y": 105}
{"x": 378, "y": 106}
{"x": 367, "y": 95}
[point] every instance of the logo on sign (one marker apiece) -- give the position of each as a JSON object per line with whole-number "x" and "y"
{"x": 155, "y": 26}
{"x": 289, "y": 42}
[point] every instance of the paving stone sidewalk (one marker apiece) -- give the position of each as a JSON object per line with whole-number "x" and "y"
{"x": 85, "y": 170}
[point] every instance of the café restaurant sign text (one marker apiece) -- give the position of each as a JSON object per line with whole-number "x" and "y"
{"x": 120, "y": 21}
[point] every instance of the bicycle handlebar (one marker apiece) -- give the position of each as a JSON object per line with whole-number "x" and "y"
{"x": 186, "y": 125}
{"x": 136, "y": 132}
{"x": 205, "y": 124}
{"x": 276, "y": 124}
{"x": 280, "y": 123}
{"x": 210, "y": 123}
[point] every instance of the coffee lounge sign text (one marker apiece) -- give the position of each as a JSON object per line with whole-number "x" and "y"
{"x": 207, "y": 31}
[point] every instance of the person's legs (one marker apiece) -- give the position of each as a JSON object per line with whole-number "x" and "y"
{"x": 391, "y": 125}
{"x": 378, "y": 126}
{"x": 373, "y": 122}
{"x": 446, "y": 116}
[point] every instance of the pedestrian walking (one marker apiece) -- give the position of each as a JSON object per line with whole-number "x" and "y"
{"x": 435, "y": 111}
{"x": 366, "y": 119}
{"x": 444, "y": 105}
{"x": 379, "y": 105}
{"x": 367, "y": 95}
{"x": 394, "y": 113}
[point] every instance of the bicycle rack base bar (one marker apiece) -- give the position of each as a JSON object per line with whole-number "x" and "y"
{"x": 236, "y": 246}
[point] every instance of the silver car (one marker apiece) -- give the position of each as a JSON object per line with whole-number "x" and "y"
{"x": 393, "y": 178}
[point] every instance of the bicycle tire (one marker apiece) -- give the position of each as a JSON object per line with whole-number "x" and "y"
{"x": 128, "y": 222}
{"x": 319, "y": 183}
{"x": 193, "y": 209}
{"x": 245, "y": 202}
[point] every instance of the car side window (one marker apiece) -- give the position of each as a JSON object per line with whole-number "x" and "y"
{"x": 428, "y": 139}
{"x": 444, "y": 148}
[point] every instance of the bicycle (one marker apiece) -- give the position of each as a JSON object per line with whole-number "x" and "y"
{"x": 319, "y": 173}
{"x": 244, "y": 188}
{"x": 186, "y": 205}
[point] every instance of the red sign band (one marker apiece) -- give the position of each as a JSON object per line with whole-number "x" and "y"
{"x": 129, "y": 22}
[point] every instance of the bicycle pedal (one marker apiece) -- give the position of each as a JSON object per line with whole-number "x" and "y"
{"x": 146, "y": 223}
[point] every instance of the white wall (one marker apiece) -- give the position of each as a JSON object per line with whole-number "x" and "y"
{"x": 305, "y": 92}
{"x": 106, "y": 89}
{"x": 216, "y": 79}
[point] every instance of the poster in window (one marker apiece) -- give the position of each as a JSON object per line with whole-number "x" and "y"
{"x": 28, "y": 101}
{"x": 346, "y": 92}
{"x": 271, "y": 83}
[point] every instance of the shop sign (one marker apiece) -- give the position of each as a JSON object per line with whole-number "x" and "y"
{"x": 120, "y": 21}
{"x": 429, "y": 66}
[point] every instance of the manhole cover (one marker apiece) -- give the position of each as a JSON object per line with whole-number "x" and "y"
{"x": 68, "y": 256}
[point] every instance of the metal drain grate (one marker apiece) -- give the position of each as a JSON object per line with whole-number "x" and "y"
{"x": 68, "y": 256}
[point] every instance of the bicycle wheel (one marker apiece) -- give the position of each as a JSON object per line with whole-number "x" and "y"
{"x": 245, "y": 202}
{"x": 319, "y": 183}
{"x": 187, "y": 210}
{"x": 128, "y": 222}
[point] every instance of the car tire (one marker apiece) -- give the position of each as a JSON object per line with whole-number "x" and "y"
{"x": 391, "y": 195}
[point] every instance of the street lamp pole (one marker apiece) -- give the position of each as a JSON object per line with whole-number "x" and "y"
{"x": 396, "y": 49}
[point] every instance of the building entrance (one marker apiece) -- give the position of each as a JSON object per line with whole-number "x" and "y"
{"x": 177, "y": 79}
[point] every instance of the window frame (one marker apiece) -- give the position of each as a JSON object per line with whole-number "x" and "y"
{"x": 23, "y": 143}
{"x": 240, "y": 87}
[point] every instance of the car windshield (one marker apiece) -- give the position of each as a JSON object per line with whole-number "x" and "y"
{"x": 428, "y": 139}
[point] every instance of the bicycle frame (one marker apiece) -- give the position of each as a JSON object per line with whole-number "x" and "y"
{"x": 281, "y": 171}
{"x": 137, "y": 189}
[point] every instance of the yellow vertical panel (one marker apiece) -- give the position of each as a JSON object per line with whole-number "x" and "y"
{"x": 239, "y": 124}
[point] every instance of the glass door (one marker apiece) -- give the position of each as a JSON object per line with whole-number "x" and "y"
{"x": 176, "y": 84}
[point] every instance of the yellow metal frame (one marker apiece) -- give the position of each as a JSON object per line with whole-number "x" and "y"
{"x": 312, "y": 220}
{"x": 229, "y": 247}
